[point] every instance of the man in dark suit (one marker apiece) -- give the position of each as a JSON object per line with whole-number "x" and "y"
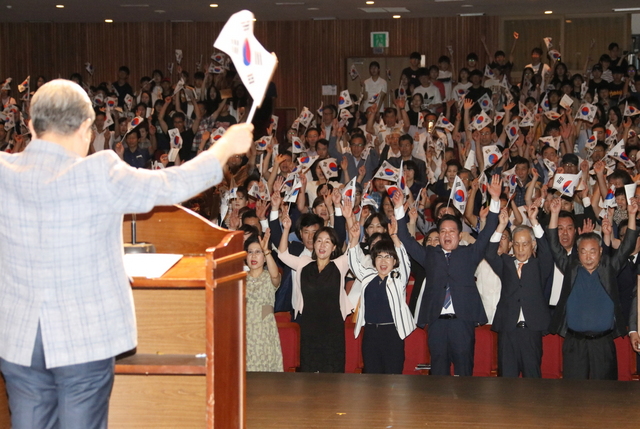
{"x": 588, "y": 313}
{"x": 628, "y": 276}
{"x": 522, "y": 315}
{"x": 406, "y": 150}
{"x": 451, "y": 304}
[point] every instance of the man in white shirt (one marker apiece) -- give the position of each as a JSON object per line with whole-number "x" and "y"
{"x": 431, "y": 94}
{"x": 373, "y": 86}
{"x": 536, "y": 58}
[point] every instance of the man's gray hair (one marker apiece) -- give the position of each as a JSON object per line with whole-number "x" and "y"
{"x": 589, "y": 236}
{"x": 60, "y": 106}
{"x": 527, "y": 228}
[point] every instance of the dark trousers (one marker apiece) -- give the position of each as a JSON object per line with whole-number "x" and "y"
{"x": 382, "y": 349}
{"x": 520, "y": 351}
{"x": 66, "y": 397}
{"x": 451, "y": 341}
{"x": 585, "y": 359}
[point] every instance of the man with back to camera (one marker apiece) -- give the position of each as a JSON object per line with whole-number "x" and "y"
{"x": 66, "y": 307}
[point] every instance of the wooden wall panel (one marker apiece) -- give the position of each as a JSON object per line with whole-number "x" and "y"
{"x": 311, "y": 53}
{"x": 603, "y": 30}
{"x": 571, "y": 36}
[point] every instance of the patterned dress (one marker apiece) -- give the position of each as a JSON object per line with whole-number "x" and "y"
{"x": 263, "y": 343}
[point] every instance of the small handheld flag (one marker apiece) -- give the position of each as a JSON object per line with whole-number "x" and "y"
{"x": 566, "y": 183}
{"x": 175, "y": 140}
{"x": 254, "y": 64}
{"x": 344, "y": 100}
{"x": 491, "y": 155}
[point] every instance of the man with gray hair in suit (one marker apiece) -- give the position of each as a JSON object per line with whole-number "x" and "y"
{"x": 66, "y": 307}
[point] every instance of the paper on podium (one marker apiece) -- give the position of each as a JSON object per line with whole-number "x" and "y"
{"x": 149, "y": 265}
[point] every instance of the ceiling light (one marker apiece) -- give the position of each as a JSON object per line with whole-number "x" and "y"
{"x": 159, "y": 11}
{"x": 472, "y": 14}
{"x": 626, "y": 9}
{"x": 369, "y": 2}
{"x": 213, "y": 5}
{"x": 396, "y": 16}
{"x": 568, "y": 21}
{"x": 108, "y": 21}
{"x": 548, "y": 12}
{"x": 313, "y": 8}
{"x": 467, "y": 5}
{"x": 289, "y": 3}
{"x": 60, "y": 6}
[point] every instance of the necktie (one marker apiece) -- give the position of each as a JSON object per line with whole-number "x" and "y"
{"x": 520, "y": 264}
{"x": 447, "y": 291}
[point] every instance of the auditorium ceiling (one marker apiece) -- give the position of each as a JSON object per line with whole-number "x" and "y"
{"x": 288, "y": 10}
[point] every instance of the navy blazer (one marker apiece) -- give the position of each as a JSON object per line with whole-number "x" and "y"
{"x": 526, "y": 291}
{"x": 459, "y": 274}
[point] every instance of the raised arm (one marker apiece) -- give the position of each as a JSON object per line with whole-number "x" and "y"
{"x": 491, "y": 254}
{"x": 274, "y": 273}
{"x": 196, "y": 122}
{"x": 418, "y": 252}
{"x": 286, "y": 227}
{"x": 480, "y": 246}
{"x": 629, "y": 243}
{"x": 559, "y": 254}
{"x": 161, "y": 115}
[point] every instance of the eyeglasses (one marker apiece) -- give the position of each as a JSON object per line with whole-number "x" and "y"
{"x": 385, "y": 257}
{"x": 486, "y": 134}
{"x": 356, "y": 145}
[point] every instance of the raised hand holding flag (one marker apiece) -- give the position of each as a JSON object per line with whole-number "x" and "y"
{"x": 444, "y": 123}
{"x": 610, "y": 198}
{"x": 566, "y": 183}
{"x": 458, "y": 195}
{"x": 344, "y": 100}
{"x": 175, "y": 140}
{"x": 628, "y": 109}
{"x": 254, "y": 64}
{"x": 491, "y": 155}
{"x": 24, "y": 85}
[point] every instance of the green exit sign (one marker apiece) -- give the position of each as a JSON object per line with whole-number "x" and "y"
{"x": 379, "y": 39}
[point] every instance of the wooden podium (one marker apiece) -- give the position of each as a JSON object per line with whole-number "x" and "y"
{"x": 197, "y": 307}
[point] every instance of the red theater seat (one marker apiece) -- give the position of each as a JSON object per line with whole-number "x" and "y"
{"x": 416, "y": 352}
{"x": 289, "y": 333}
{"x": 552, "y": 356}
{"x": 626, "y": 358}
{"x": 485, "y": 352}
{"x": 353, "y": 348}
{"x": 283, "y": 316}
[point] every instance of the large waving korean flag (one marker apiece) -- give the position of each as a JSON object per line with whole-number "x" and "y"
{"x": 254, "y": 64}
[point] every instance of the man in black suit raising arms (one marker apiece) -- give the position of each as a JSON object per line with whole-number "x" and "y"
{"x": 451, "y": 304}
{"x": 522, "y": 315}
{"x": 588, "y": 313}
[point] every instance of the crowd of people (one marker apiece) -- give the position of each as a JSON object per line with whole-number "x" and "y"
{"x": 510, "y": 200}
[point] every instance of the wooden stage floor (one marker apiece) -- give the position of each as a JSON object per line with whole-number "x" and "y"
{"x": 290, "y": 400}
